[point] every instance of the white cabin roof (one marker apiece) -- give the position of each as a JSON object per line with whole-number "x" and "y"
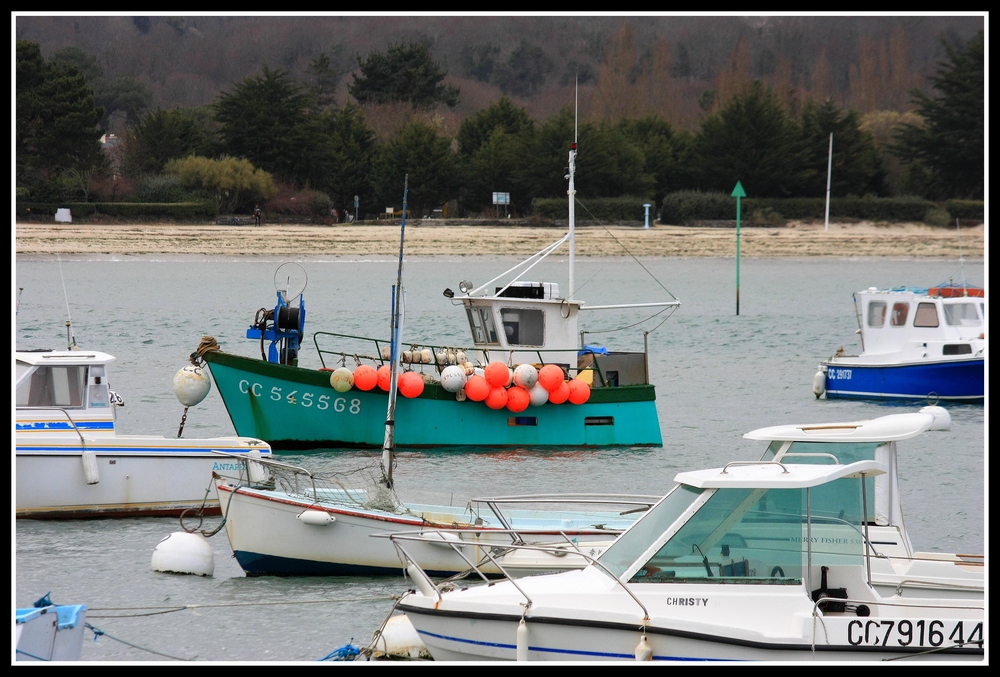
{"x": 35, "y": 358}
{"x": 883, "y": 429}
{"x": 771, "y": 475}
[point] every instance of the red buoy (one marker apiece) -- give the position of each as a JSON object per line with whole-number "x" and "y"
{"x": 365, "y": 377}
{"x": 477, "y": 388}
{"x": 384, "y": 377}
{"x": 579, "y": 392}
{"x": 550, "y": 376}
{"x": 560, "y": 394}
{"x": 496, "y": 374}
{"x": 517, "y": 399}
{"x": 497, "y": 399}
{"x": 411, "y": 384}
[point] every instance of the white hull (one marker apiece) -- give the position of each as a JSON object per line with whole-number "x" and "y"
{"x": 269, "y": 538}
{"x": 52, "y": 633}
{"x": 135, "y": 476}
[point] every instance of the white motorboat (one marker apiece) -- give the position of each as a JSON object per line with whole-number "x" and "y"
{"x": 72, "y": 463}
{"x": 49, "y": 632}
{"x": 799, "y": 556}
{"x": 916, "y": 344}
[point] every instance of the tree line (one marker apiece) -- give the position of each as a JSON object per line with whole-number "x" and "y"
{"x": 273, "y": 137}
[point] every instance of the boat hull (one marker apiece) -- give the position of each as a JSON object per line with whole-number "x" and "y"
{"x": 135, "y": 477}
{"x": 458, "y": 636}
{"x": 296, "y": 408}
{"x": 960, "y": 380}
{"x": 51, "y": 633}
{"x": 269, "y": 537}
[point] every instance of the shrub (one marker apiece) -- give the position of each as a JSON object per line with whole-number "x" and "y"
{"x": 937, "y": 217}
{"x": 973, "y": 210}
{"x": 161, "y": 188}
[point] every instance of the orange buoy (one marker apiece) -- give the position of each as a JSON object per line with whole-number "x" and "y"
{"x": 384, "y": 377}
{"x": 497, "y": 399}
{"x": 411, "y": 384}
{"x": 550, "y": 376}
{"x": 517, "y": 399}
{"x": 496, "y": 374}
{"x": 560, "y": 394}
{"x": 477, "y": 388}
{"x": 579, "y": 391}
{"x": 365, "y": 377}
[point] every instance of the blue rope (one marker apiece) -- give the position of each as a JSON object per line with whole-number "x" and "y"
{"x": 345, "y": 653}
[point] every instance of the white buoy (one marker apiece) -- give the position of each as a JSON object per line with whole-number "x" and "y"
{"x": 522, "y": 641}
{"x": 453, "y": 378}
{"x": 191, "y": 385}
{"x": 316, "y": 518}
{"x": 942, "y": 419}
{"x": 399, "y": 639}
{"x": 538, "y": 395}
{"x": 257, "y": 472}
{"x": 643, "y": 652}
{"x": 526, "y": 376}
{"x": 341, "y": 379}
{"x": 90, "y": 472}
{"x": 819, "y": 383}
{"x": 184, "y": 553}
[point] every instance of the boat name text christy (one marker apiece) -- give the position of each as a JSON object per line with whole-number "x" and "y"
{"x": 687, "y": 601}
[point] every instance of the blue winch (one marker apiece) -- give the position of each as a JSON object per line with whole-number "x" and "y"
{"x": 284, "y": 327}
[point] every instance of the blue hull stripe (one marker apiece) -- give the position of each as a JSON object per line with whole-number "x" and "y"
{"x": 256, "y": 564}
{"x": 62, "y": 427}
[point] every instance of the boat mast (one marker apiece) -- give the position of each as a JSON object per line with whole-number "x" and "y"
{"x": 571, "y": 192}
{"x": 395, "y": 327}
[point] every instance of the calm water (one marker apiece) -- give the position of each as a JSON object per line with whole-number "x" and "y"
{"x": 718, "y": 376}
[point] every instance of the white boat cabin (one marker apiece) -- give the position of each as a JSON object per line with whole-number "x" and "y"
{"x": 920, "y": 322}
{"x": 64, "y": 391}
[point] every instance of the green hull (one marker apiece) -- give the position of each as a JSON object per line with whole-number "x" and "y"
{"x": 296, "y": 408}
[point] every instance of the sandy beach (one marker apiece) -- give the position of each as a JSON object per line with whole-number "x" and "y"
{"x": 840, "y": 240}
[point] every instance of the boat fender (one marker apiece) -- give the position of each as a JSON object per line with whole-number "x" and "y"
{"x": 453, "y": 378}
{"x": 443, "y": 538}
{"x": 184, "y": 553}
{"x": 643, "y": 652}
{"x": 522, "y": 641}
{"x": 942, "y": 419}
{"x": 90, "y": 472}
{"x": 255, "y": 470}
{"x": 342, "y": 379}
{"x": 316, "y": 518}
{"x": 424, "y": 584}
{"x": 191, "y": 385}
{"x": 819, "y": 383}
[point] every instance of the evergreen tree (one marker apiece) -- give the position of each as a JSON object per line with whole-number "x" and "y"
{"x": 354, "y": 149}
{"x": 405, "y": 72}
{"x": 751, "y": 140}
{"x": 857, "y": 165}
{"x": 949, "y": 147}
{"x": 666, "y": 152}
{"x": 609, "y": 165}
{"x": 321, "y": 81}
{"x": 476, "y": 129}
{"x": 161, "y": 136}
{"x": 433, "y": 168}
{"x": 493, "y": 167}
{"x": 55, "y": 119}
{"x": 264, "y": 119}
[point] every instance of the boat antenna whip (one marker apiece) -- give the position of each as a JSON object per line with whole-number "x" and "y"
{"x": 70, "y": 336}
{"x": 395, "y": 326}
{"x": 571, "y": 192}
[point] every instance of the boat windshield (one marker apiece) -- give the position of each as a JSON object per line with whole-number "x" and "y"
{"x": 759, "y": 536}
{"x": 820, "y": 452}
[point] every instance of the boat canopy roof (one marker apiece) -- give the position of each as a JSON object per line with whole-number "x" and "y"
{"x": 773, "y": 475}
{"x": 883, "y": 429}
{"x": 44, "y": 357}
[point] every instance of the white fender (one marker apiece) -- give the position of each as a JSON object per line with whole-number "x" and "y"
{"x": 643, "y": 652}
{"x": 522, "y": 641}
{"x": 423, "y": 583}
{"x": 443, "y": 538}
{"x": 257, "y": 471}
{"x": 316, "y": 518}
{"x": 819, "y": 383}
{"x": 90, "y": 472}
{"x": 191, "y": 385}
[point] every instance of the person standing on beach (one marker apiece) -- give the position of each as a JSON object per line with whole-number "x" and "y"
{"x": 256, "y": 214}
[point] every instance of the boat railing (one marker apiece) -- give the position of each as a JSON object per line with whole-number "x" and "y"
{"x": 429, "y": 588}
{"x": 381, "y": 347}
{"x": 69, "y": 418}
{"x": 633, "y": 504}
{"x": 275, "y": 469}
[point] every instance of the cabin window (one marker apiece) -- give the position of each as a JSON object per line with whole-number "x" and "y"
{"x": 523, "y": 326}
{"x": 481, "y": 323}
{"x": 899, "y": 313}
{"x": 755, "y": 536}
{"x": 53, "y": 387}
{"x": 961, "y": 315}
{"x": 926, "y": 315}
{"x": 876, "y": 314}
{"x": 956, "y": 349}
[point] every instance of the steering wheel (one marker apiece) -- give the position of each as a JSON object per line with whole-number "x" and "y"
{"x": 777, "y": 572}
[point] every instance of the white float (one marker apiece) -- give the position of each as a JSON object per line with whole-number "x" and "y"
{"x": 453, "y": 378}
{"x": 316, "y": 518}
{"x": 342, "y": 379}
{"x": 538, "y": 395}
{"x": 526, "y": 376}
{"x": 184, "y": 553}
{"x": 191, "y": 385}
